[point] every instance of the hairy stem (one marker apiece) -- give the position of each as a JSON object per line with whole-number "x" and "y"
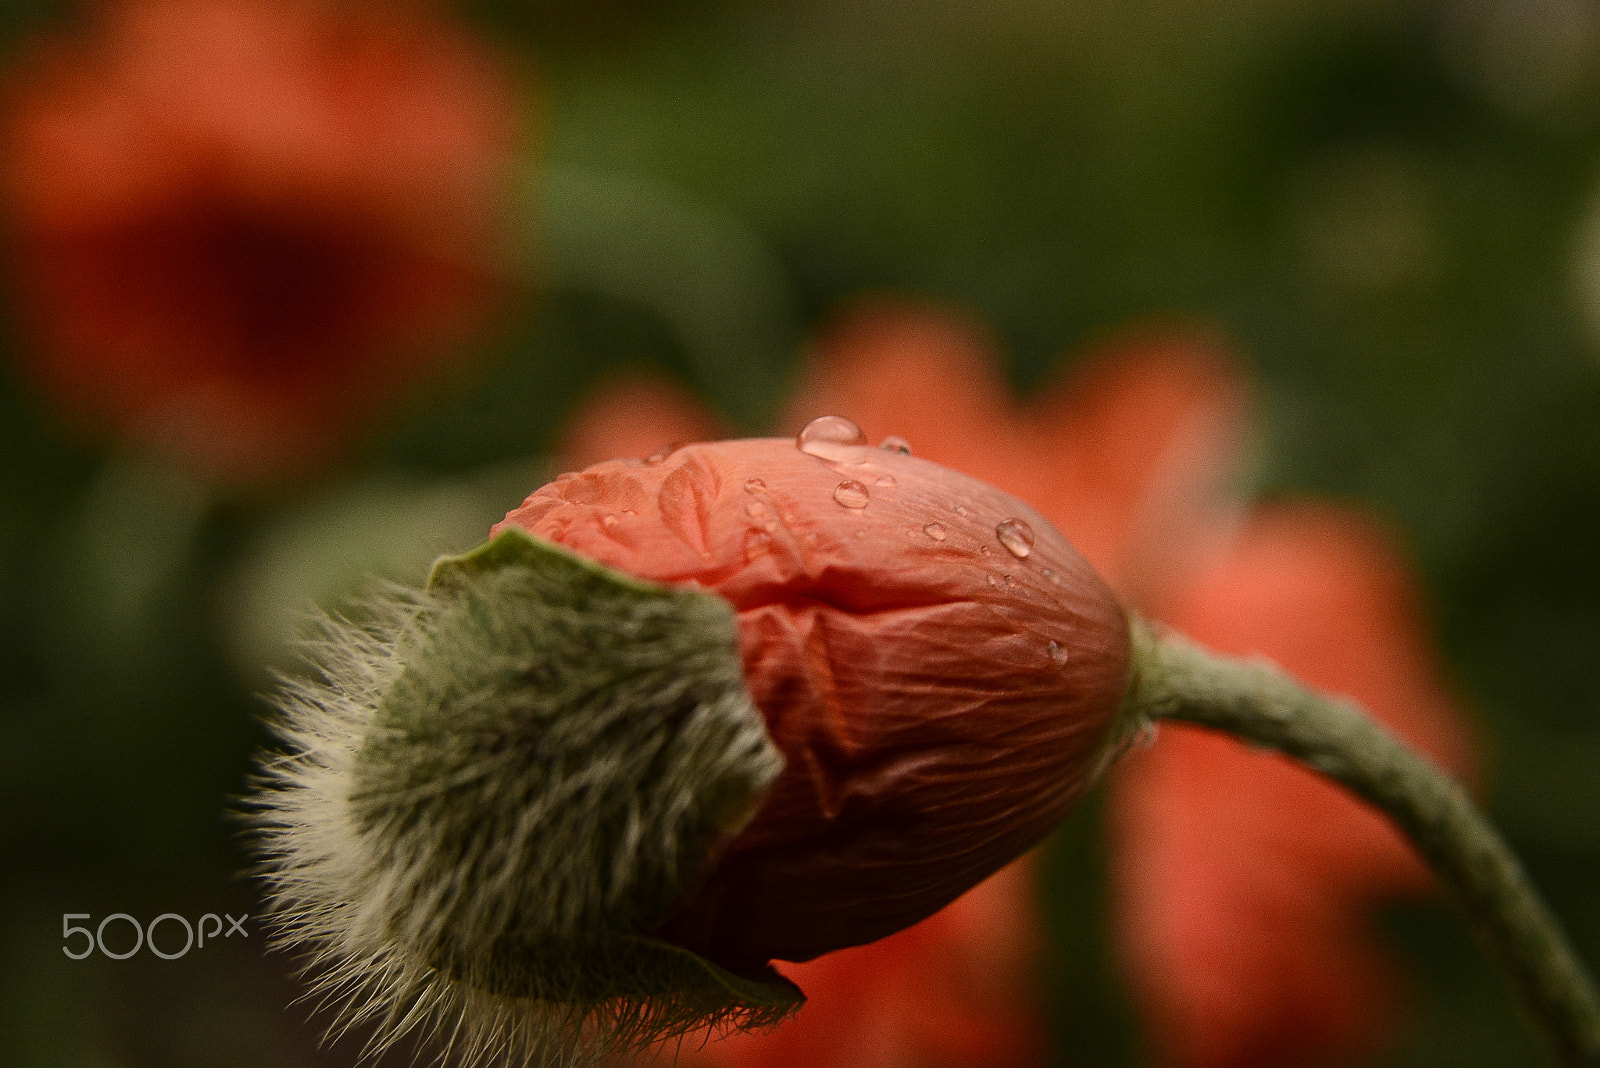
{"x": 1174, "y": 679}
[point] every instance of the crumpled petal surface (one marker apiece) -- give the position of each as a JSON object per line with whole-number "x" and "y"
{"x": 940, "y": 700}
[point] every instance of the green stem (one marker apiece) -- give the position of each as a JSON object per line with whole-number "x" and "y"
{"x": 1174, "y": 679}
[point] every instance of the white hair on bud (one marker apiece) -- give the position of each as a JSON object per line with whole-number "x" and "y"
{"x": 491, "y": 792}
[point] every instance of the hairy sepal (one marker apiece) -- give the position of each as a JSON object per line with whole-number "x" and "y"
{"x": 498, "y": 787}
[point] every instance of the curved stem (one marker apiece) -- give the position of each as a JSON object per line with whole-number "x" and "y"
{"x": 1174, "y": 679}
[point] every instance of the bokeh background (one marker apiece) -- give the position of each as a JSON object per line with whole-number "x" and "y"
{"x": 300, "y": 293}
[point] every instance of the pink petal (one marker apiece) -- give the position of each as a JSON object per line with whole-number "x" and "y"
{"x": 940, "y": 700}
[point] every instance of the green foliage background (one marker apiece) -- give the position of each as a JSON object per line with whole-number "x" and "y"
{"x": 1385, "y": 203}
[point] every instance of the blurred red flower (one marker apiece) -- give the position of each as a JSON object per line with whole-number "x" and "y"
{"x": 241, "y": 228}
{"x": 1243, "y": 883}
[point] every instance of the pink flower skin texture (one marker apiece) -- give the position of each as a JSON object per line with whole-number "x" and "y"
{"x": 941, "y": 700}
{"x": 239, "y": 229}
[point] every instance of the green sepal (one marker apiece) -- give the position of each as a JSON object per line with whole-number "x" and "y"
{"x": 639, "y": 968}
{"x": 514, "y": 547}
{"x": 765, "y": 990}
{"x": 556, "y": 763}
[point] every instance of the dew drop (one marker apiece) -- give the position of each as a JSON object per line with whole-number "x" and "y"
{"x": 609, "y": 521}
{"x": 851, "y": 494}
{"x": 754, "y": 485}
{"x": 830, "y": 437}
{"x": 662, "y": 453}
{"x": 1011, "y": 583}
{"x": 1058, "y": 652}
{"x": 884, "y": 480}
{"x": 756, "y": 544}
{"x": 896, "y": 444}
{"x": 1016, "y": 535}
{"x": 983, "y": 550}
{"x": 961, "y": 510}
{"x": 935, "y": 531}
{"x": 755, "y": 509}
{"x": 991, "y": 580}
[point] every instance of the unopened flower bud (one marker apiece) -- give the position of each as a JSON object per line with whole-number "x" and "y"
{"x": 545, "y": 795}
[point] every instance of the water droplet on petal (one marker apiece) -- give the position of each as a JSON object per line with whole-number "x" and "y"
{"x": 896, "y": 444}
{"x": 851, "y": 494}
{"x": 991, "y": 580}
{"x": 755, "y": 509}
{"x": 830, "y": 437}
{"x": 983, "y": 550}
{"x": 935, "y": 531}
{"x": 961, "y": 510}
{"x": 756, "y": 544}
{"x": 609, "y": 521}
{"x": 1011, "y": 583}
{"x": 884, "y": 480}
{"x": 1016, "y": 535}
{"x": 662, "y": 453}
{"x": 754, "y": 485}
{"x": 1057, "y": 651}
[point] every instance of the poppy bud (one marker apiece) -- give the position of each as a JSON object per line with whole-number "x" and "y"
{"x": 553, "y": 779}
